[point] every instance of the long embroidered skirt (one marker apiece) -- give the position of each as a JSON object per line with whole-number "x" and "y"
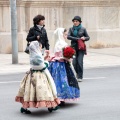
{"x": 65, "y": 81}
{"x": 37, "y": 92}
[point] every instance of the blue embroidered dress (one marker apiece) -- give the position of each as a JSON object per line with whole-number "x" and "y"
{"x": 61, "y": 71}
{"x": 65, "y": 81}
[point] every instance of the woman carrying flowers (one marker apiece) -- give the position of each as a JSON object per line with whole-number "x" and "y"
{"x": 60, "y": 69}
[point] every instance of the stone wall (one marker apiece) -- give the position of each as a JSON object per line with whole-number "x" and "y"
{"x": 100, "y": 17}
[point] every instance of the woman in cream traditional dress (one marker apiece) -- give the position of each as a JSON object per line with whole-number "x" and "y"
{"x": 37, "y": 88}
{"x": 61, "y": 70}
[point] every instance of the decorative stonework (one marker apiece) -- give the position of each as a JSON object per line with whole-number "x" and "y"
{"x": 109, "y": 17}
{"x": 64, "y": 3}
{"x": 100, "y": 17}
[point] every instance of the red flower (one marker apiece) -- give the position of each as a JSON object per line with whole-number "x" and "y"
{"x": 68, "y": 52}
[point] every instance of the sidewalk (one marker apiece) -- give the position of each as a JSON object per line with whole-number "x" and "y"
{"x": 95, "y": 58}
{"x": 106, "y": 57}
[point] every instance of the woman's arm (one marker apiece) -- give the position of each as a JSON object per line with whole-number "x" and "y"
{"x": 31, "y": 36}
{"x": 46, "y": 41}
{"x": 86, "y": 35}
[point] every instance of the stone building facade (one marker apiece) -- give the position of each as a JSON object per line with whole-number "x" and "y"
{"x": 100, "y": 17}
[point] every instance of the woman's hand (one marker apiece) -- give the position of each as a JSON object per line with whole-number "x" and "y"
{"x": 38, "y": 37}
{"x": 47, "y": 55}
{"x": 69, "y": 60}
{"x": 82, "y": 38}
{"x": 47, "y": 52}
{"x": 47, "y": 58}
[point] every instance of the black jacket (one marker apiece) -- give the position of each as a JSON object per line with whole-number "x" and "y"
{"x": 81, "y": 33}
{"x": 34, "y": 32}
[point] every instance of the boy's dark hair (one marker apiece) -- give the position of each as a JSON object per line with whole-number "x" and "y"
{"x": 37, "y": 19}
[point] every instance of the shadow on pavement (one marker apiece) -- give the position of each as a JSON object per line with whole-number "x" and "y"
{"x": 41, "y": 113}
{"x": 69, "y": 105}
{"x": 36, "y": 113}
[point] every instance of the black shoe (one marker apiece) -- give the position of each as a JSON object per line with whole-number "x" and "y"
{"x": 56, "y": 108}
{"x": 62, "y": 103}
{"x": 22, "y": 110}
{"x": 50, "y": 109}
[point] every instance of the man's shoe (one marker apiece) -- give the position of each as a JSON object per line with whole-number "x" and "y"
{"x": 79, "y": 80}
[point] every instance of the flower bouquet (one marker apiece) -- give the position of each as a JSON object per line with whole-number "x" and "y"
{"x": 68, "y": 52}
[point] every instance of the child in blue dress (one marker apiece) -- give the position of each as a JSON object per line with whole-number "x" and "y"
{"x": 61, "y": 70}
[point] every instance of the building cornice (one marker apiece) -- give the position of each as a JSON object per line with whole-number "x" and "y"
{"x": 64, "y": 3}
{"x": 72, "y": 3}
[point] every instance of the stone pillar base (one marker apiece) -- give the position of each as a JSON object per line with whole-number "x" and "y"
{"x": 104, "y": 38}
{"x": 6, "y": 43}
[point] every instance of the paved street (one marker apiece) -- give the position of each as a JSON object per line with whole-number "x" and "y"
{"x": 95, "y": 58}
{"x": 100, "y": 98}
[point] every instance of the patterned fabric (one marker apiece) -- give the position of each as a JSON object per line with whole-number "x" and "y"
{"x": 66, "y": 83}
{"x": 38, "y": 92}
